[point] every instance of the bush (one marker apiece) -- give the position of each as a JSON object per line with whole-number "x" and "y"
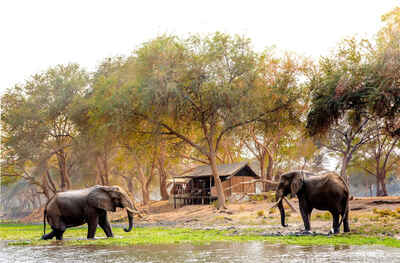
{"x": 260, "y": 213}
{"x": 384, "y": 212}
{"x": 257, "y": 198}
{"x": 272, "y": 210}
{"x": 324, "y": 216}
{"x": 270, "y": 196}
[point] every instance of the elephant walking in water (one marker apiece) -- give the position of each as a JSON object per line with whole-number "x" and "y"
{"x": 324, "y": 192}
{"x": 89, "y": 205}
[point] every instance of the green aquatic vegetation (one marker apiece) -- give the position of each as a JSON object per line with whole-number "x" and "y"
{"x": 30, "y": 234}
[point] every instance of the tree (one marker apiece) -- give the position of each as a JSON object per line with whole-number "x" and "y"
{"x": 267, "y": 137}
{"x": 361, "y": 77}
{"x": 213, "y": 85}
{"x": 37, "y": 125}
{"x": 344, "y": 139}
{"x": 379, "y": 157}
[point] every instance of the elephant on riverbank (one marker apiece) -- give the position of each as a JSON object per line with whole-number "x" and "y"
{"x": 324, "y": 192}
{"x": 89, "y": 205}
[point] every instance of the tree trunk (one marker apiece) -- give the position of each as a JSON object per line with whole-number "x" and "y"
{"x": 263, "y": 174}
{"x": 345, "y": 162}
{"x": 145, "y": 194}
{"x": 45, "y": 185}
{"x": 62, "y": 166}
{"x": 163, "y": 179}
{"x": 270, "y": 167}
{"x": 378, "y": 186}
{"x": 145, "y": 181}
{"x": 102, "y": 169}
{"x": 130, "y": 185}
{"x": 217, "y": 180}
{"x": 381, "y": 181}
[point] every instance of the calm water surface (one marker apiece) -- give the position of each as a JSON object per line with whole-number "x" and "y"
{"x": 217, "y": 252}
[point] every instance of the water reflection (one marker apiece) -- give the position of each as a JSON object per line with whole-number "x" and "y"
{"x": 217, "y": 252}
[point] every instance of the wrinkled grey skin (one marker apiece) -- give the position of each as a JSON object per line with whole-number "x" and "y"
{"x": 89, "y": 205}
{"x": 324, "y": 192}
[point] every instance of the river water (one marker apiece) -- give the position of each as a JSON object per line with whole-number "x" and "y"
{"x": 216, "y": 252}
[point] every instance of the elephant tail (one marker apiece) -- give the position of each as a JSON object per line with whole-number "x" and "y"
{"x": 45, "y": 214}
{"x": 345, "y": 212}
{"x": 44, "y": 220}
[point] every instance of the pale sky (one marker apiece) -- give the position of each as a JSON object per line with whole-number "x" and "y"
{"x": 36, "y": 35}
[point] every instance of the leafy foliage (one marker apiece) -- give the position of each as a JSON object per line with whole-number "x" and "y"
{"x": 361, "y": 77}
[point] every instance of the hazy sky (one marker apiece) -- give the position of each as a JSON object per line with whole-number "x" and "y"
{"x": 38, "y": 34}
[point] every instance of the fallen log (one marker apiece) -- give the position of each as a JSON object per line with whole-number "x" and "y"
{"x": 381, "y": 202}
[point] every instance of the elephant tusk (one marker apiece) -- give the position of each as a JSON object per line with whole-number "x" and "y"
{"x": 274, "y": 205}
{"x": 134, "y": 212}
{"x": 290, "y": 205}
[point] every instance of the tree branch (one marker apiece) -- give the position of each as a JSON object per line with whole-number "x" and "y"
{"x": 184, "y": 138}
{"x": 227, "y": 129}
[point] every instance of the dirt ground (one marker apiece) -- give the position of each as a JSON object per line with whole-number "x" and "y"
{"x": 367, "y": 214}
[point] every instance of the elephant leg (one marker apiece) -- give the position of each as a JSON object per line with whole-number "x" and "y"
{"x": 93, "y": 221}
{"x": 346, "y": 227}
{"x": 305, "y": 215}
{"x": 59, "y": 235}
{"x": 335, "y": 224}
{"x": 60, "y": 231}
{"x": 105, "y": 225}
{"x": 49, "y": 235}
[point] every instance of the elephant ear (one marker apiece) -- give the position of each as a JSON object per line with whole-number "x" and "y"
{"x": 297, "y": 183}
{"x": 100, "y": 198}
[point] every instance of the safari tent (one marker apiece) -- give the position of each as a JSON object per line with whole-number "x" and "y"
{"x": 198, "y": 186}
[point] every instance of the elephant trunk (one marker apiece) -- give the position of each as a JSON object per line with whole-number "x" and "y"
{"x": 130, "y": 218}
{"x": 130, "y": 210}
{"x": 282, "y": 211}
{"x": 279, "y": 199}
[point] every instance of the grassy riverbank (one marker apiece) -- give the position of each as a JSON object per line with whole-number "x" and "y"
{"x": 29, "y": 235}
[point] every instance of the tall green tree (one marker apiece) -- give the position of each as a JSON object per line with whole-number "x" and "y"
{"x": 379, "y": 158}
{"x": 37, "y": 121}
{"x": 363, "y": 78}
{"x": 344, "y": 139}
{"x": 199, "y": 90}
{"x": 267, "y": 137}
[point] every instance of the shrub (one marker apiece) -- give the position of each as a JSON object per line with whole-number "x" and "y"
{"x": 270, "y": 196}
{"x": 384, "y": 212}
{"x": 324, "y": 216}
{"x": 374, "y": 218}
{"x": 257, "y": 198}
{"x": 260, "y": 213}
